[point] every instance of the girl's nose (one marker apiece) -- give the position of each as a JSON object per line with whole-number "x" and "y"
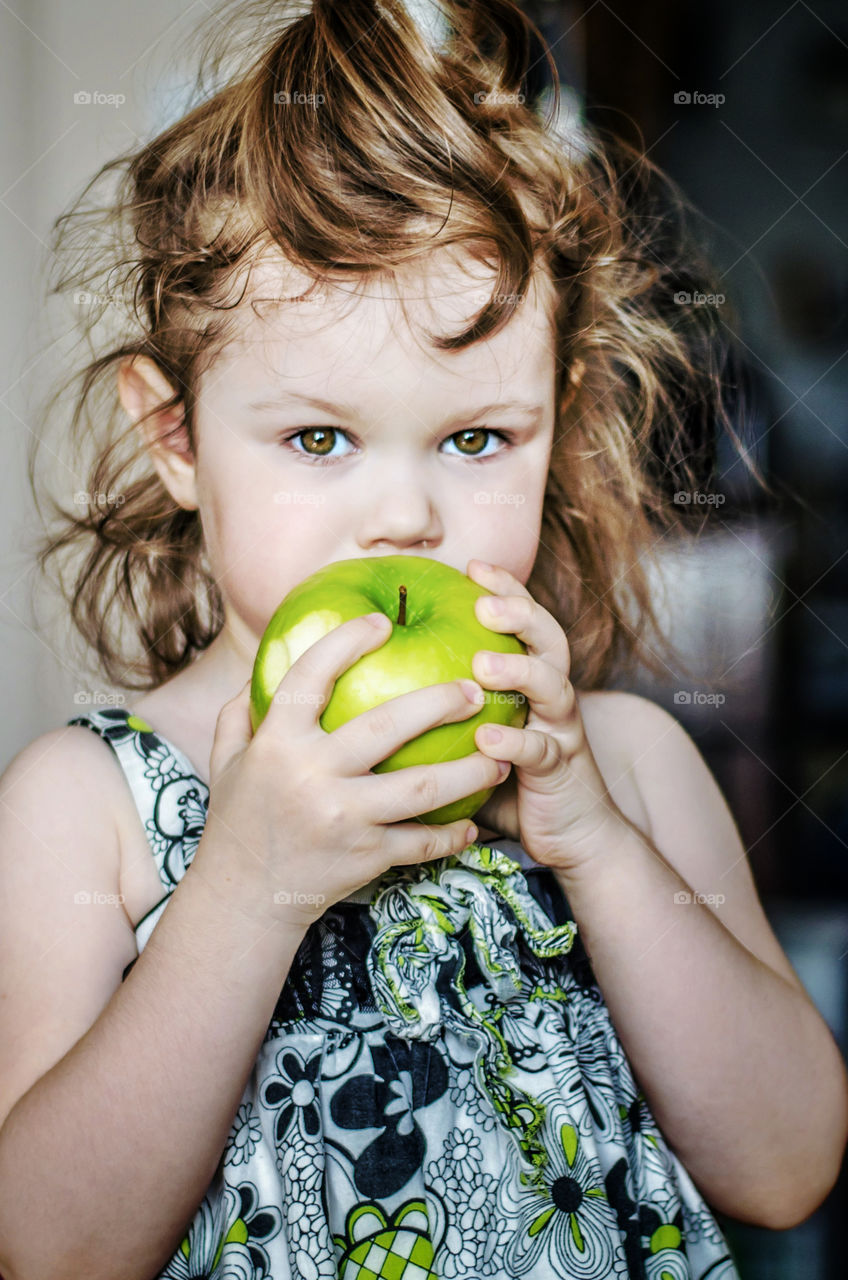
{"x": 399, "y": 521}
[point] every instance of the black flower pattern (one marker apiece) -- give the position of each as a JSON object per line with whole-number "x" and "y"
{"x": 406, "y": 1078}
{"x": 293, "y": 1094}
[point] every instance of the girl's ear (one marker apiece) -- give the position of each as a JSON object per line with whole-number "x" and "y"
{"x": 141, "y": 387}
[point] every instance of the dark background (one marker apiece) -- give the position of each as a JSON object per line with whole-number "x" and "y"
{"x": 765, "y": 602}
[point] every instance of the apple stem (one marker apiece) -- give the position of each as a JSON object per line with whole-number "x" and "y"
{"x": 402, "y": 606}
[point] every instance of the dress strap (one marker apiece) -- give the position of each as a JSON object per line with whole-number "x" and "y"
{"x": 172, "y": 801}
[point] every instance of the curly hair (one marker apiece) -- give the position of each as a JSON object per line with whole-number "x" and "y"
{"x": 411, "y": 145}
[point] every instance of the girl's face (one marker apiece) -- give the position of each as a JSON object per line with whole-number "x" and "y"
{"x": 331, "y": 429}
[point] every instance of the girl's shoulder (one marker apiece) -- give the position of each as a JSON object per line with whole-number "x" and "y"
{"x": 64, "y": 940}
{"x": 647, "y": 759}
{"x": 66, "y": 794}
{"x": 60, "y": 784}
{"x": 686, "y": 816}
{"x": 611, "y": 719}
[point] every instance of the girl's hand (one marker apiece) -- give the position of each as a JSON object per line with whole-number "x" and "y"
{"x": 554, "y": 800}
{"x": 297, "y": 820}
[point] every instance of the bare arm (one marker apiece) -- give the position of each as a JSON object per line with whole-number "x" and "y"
{"x": 741, "y": 1072}
{"x": 121, "y": 1138}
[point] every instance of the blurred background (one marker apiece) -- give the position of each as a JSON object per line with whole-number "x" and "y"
{"x": 746, "y": 107}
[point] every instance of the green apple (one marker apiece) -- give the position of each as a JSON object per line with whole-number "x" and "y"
{"x": 434, "y": 637}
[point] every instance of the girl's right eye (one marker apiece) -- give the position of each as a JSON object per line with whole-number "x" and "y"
{"x": 324, "y": 440}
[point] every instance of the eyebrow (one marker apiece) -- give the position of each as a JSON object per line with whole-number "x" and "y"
{"x": 290, "y": 397}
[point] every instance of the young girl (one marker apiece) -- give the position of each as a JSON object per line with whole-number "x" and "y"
{"x": 258, "y": 1021}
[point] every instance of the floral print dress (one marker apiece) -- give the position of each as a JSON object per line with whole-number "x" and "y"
{"x": 440, "y": 1092}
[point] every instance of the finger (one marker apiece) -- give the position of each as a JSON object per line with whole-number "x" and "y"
{"x": 496, "y": 579}
{"x": 550, "y": 693}
{"x": 522, "y": 616}
{"x": 375, "y": 734}
{"x": 306, "y": 688}
{"x": 232, "y": 733}
{"x": 421, "y": 788}
{"x": 411, "y": 842}
{"x": 531, "y": 750}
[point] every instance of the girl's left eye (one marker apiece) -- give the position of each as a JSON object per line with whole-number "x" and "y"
{"x": 324, "y": 438}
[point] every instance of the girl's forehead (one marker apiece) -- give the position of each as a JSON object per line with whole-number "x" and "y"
{"x": 287, "y": 318}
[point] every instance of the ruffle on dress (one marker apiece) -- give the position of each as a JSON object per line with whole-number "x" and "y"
{"x": 416, "y": 965}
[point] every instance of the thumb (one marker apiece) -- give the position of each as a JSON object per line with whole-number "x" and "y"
{"x": 233, "y": 732}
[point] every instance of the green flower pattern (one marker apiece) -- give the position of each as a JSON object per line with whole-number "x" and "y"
{"x": 440, "y": 1092}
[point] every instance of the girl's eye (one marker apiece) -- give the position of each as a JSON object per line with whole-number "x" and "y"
{"x": 325, "y": 437}
{"x": 471, "y": 436}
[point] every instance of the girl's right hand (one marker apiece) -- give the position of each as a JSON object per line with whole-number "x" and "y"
{"x": 298, "y": 817}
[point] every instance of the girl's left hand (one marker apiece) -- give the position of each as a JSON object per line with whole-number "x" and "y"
{"x": 554, "y": 800}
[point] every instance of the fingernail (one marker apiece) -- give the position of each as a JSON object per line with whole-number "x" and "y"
{"x": 377, "y": 620}
{"x": 473, "y": 692}
{"x": 487, "y": 568}
{"x": 491, "y": 734}
{"x": 503, "y": 768}
{"x": 494, "y": 605}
